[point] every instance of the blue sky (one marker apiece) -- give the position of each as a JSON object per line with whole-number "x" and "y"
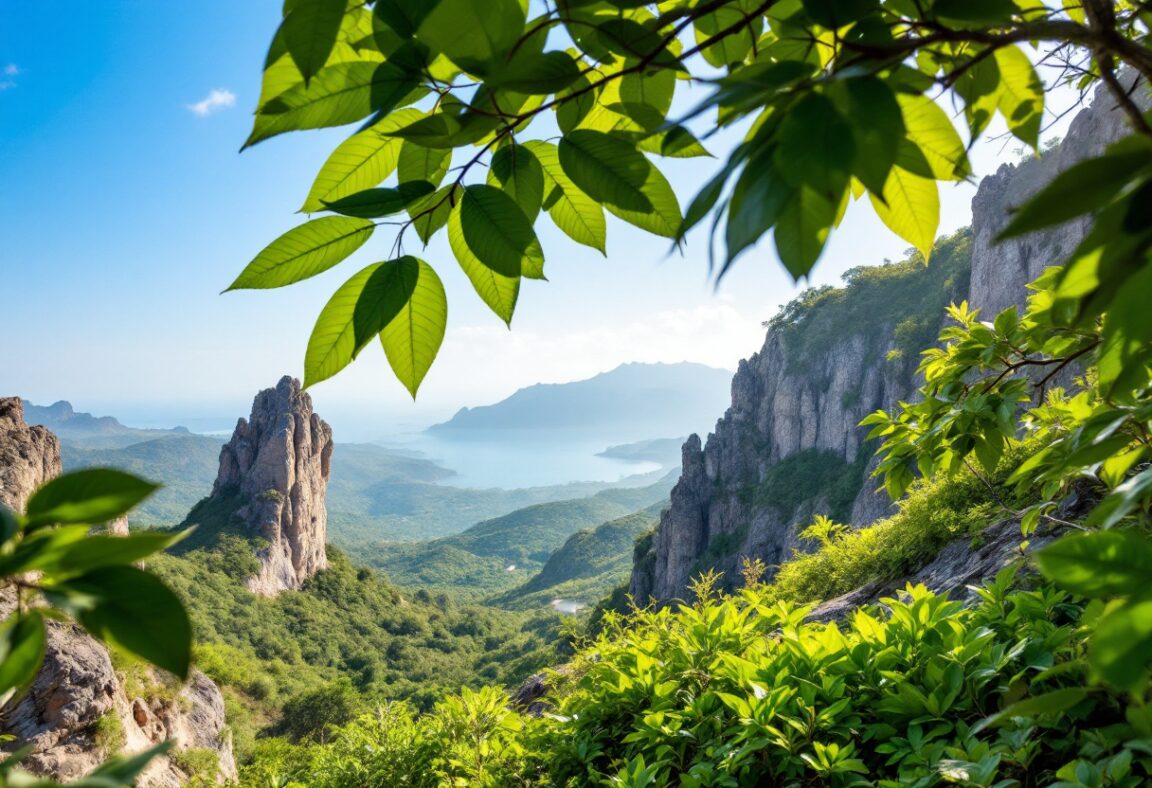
{"x": 125, "y": 208}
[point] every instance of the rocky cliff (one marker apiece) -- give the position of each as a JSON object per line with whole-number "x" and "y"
{"x": 81, "y": 708}
{"x": 278, "y": 462}
{"x": 788, "y": 446}
{"x": 29, "y": 456}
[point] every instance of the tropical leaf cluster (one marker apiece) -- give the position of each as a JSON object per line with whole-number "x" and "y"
{"x": 741, "y": 691}
{"x": 476, "y": 118}
{"x": 53, "y": 568}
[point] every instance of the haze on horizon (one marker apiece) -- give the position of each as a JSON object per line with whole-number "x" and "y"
{"x": 117, "y": 242}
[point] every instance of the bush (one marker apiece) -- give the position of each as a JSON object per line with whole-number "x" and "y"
{"x": 741, "y": 691}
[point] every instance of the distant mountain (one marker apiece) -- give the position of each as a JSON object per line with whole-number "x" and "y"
{"x": 632, "y": 402}
{"x": 88, "y": 431}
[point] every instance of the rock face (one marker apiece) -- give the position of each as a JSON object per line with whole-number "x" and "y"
{"x": 719, "y": 509}
{"x": 79, "y": 708}
{"x": 29, "y": 456}
{"x": 279, "y": 461}
{"x": 1001, "y": 271}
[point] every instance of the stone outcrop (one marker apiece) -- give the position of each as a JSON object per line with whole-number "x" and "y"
{"x": 1001, "y": 271}
{"x": 79, "y": 709}
{"x": 718, "y": 512}
{"x": 29, "y": 456}
{"x": 278, "y": 462}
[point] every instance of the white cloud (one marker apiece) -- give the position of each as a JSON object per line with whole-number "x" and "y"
{"x": 8, "y": 73}
{"x": 216, "y": 100}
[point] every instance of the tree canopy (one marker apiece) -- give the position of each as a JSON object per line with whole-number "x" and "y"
{"x": 481, "y": 116}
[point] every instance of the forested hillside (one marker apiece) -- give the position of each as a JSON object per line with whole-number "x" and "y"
{"x": 914, "y": 551}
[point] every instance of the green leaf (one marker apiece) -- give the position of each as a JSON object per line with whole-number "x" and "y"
{"x": 1021, "y": 95}
{"x": 473, "y": 34}
{"x": 538, "y": 74}
{"x": 357, "y": 312}
{"x": 1054, "y": 702}
{"x": 631, "y": 39}
{"x": 675, "y": 142}
{"x": 576, "y": 214}
{"x": 310, "y": 30}
{"x": 376, "y": 203}
{"x": 413, "y": 337}
{"x": 1127, "y": 347}
{"x": 614, "y": 173}
{"x": 877, "y": 128}
{"x": 418, "y": 163}
{"x": 1098, "y": 564}
{"x": 304, "y": 251}
{"x": 578, "y": 100}
{"x": 1081, "y": 188}
{"x": 802, "y": 229}
{"x": 834, "y": 14}
{"x": 759, "y": 199}
{"x": 9, "y": 525}
{"x": 652, "y": 90}
{"x": 606, "y": 168}
{"x": 132, "y": 609}
{"x": 985, "y": 11}
{"x": 1121, "y": 645}
{"x": 815, "y": 146}
{"x": 360, "y": 162}
{"x": 498, "y": 233}
{"x": 933, "y": 133}
{"x": 22, "y": 646}
{"x": 124, "y": 769}
{"x": 403, "y": 16}
{"x": 517, "y": 171}
{"x": 340, "y": 94}
{"x": 93, "y": 495}
{"x": 106, "y": 550}
{"x": 431, "y": 213}
{"x": 41, "y": 549}
{"x": 910, "y": 208}
{"x": 497, "y": 289}
{"x": 732, "y": 48}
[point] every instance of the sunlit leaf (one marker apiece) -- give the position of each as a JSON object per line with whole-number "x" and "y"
{"x": 910, "y": 208}
{"x": 92, "y": 495}
{"x": 305, "y": 251}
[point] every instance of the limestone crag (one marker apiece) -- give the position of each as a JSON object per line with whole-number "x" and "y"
{"x": 1001, "y": 271}
{"x": 279, "y": 461}
{"x": 29, "y": 456}
{"x": 719, "y": 511}
{"x": 79, "y": 709}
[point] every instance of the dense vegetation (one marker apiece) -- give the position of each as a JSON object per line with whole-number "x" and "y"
{"x": 503, "y": 552}
{"x": 347, "y": 639}
{"x": 903, "y": 300}
{"x": 588, "y": 566}
{"x": 186, "y": 466}
{"x": 732, "y": 691}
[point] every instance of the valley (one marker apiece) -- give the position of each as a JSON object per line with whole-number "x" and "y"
{"x": 479, "y": 486}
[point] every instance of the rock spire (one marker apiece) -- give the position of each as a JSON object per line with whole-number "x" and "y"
{"x": 278, "y": 461}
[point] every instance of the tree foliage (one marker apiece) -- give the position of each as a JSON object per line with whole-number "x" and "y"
{"x": 53, "y": 568}
{"x": 489, "y": 114}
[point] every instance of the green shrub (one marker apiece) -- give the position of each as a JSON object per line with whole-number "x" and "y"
{"x": 934, "y": 514}
{"x": 741, "y": 691}
{"x": 108, "y": 732}
{"x": 200, "y": 763}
